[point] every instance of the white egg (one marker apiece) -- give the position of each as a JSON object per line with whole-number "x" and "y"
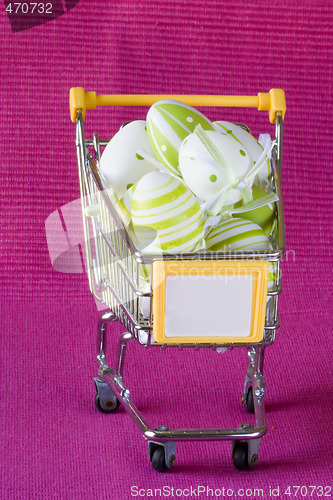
{"x": 121, "y": 165}
{"x": 250, "y": 143}
{"x": 200, "y": 172}
{"x": 166, "y": 214}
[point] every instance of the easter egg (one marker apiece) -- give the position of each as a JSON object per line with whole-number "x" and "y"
{"x": 237, "y": 234}
{"x": 124, "y": 205}
{"x": 163, "y": 206}
{"x": 251, "y": 145}
{"x": 168, "y": 123}
{"x": 121, "y": 165}
{"x": 263, "y": 216}
{"x": 202, "y": 175}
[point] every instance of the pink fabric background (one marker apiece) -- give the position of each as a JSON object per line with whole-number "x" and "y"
{"x": 54, "y": 444}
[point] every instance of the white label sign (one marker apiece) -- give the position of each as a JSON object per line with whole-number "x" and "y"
{"x": 209, "y": 305}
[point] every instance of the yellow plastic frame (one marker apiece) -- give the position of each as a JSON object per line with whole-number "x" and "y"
{"x": 274, "y": 102}
{"x": 257, "y": 269}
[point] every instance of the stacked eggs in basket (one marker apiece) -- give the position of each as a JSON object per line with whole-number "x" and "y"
{"x": 181, "y": 183}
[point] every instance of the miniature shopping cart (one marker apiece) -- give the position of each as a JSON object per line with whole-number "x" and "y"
{"x": 115, "y": 269}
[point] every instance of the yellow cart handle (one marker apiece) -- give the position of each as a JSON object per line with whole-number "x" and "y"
{"x": 274, "y": 102}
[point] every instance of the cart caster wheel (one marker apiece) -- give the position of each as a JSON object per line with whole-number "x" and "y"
{"x": 250, "y": 400}
{"x": 158, "y": 460}
{"x": 240, "y": 455}
{"x": 110, "y": 405}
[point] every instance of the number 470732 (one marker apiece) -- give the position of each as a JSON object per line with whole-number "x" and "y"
{"x": 29, "y": 8}
{"x": 309, "y": 491}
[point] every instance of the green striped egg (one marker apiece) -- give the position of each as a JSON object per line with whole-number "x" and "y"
{"x": 168, "y": 123}
{"x": 251, "y": 145}
{"x": 237, "y": 234}
{"x": 125, "y": 204}
{"x": 166, "y": 211}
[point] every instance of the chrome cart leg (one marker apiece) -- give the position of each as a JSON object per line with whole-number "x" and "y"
{"x": 120, "y": 353}
{"x": 105, "y": 399}
{"x": 247, "y": 397}
{"x": 245, "y": 453}
{"x": 256, "y": 363}
{"x": 117, "y": 373}
{"x": 101, "y": 335}
{"x": 259, "y": 385}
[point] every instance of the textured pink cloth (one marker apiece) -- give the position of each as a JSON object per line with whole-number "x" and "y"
{"x": 54, "y": 444}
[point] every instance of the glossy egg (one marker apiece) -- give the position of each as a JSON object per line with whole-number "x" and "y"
{"x": 121, "y": 165}
{"x": 168, "y": 123}
{"x": 165, "y": 210}
{"x": 251, "y": 145}
{"x": 202, "y": 175}
{"x": 237, "y": 235}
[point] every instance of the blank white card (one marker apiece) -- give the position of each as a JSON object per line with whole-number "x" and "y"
{"x": 210, "y": 305}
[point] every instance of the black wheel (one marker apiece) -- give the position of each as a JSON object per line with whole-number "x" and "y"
{"x": 111, "y": 405}
{"x": 250, "y": 400}
{"x": 158, "y": 460}
{"x": 239, "y": 455}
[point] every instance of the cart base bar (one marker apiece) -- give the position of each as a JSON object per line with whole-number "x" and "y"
{"x": 161, "y": 434}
